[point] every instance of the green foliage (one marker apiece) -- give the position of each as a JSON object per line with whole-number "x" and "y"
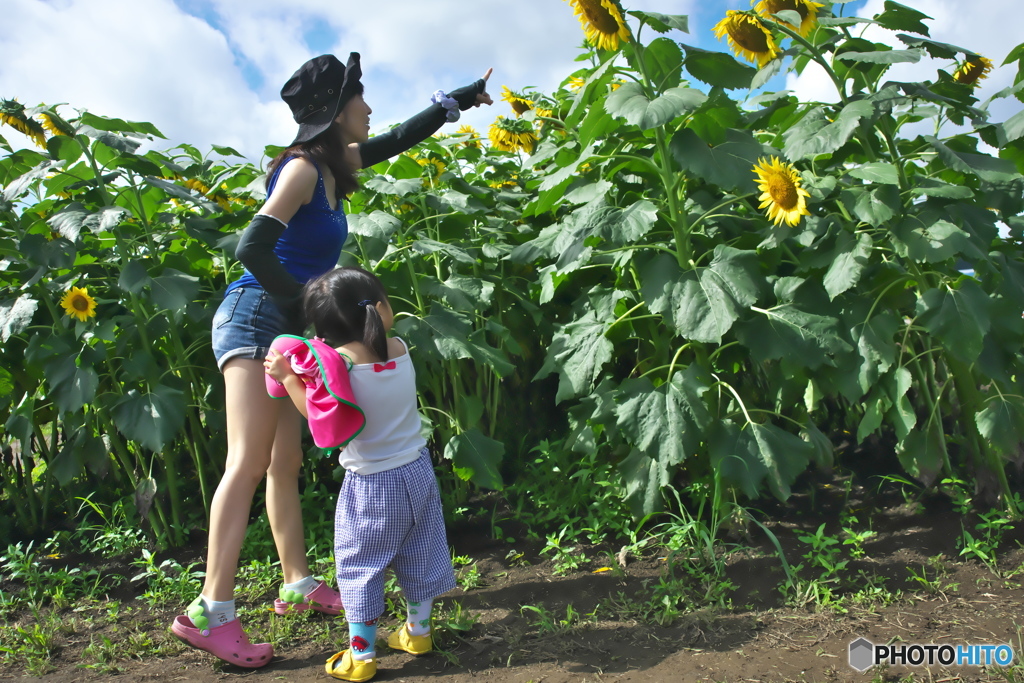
{"x": 618, "y": 295}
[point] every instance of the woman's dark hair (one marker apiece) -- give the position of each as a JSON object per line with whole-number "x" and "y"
{"x": 326, "y": 149}
{"x": 341, "y": 307}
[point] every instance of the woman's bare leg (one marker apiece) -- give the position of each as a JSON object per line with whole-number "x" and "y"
{"x": 283, "y": 507}
{"x": 252, "y": 424}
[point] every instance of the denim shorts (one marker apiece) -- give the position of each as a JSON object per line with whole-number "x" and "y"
{"x": 245, "y": 324}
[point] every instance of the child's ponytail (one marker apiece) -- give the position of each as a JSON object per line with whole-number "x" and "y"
{"x": 374, "y": 336}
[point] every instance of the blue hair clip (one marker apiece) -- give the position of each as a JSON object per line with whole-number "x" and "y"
{"x": 364, "y": 303}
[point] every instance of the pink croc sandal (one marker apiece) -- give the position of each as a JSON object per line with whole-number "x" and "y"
{"x": 323, "y": 598}
{"x": 227, "y": 642}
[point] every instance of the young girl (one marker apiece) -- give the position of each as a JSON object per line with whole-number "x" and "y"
{"x": 389, "y": 508}
{"x": 297, "y": 235}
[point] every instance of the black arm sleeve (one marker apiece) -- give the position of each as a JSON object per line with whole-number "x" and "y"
{"x": 256, "y": 252}
{"x": 417, "y": 129}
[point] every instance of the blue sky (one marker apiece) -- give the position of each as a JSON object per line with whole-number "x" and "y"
{"x": 209, "y": 71}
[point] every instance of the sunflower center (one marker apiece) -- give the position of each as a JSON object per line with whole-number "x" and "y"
{"x": 80, "y": 303}
{"x": 776, "y": 6}
{"x": 971, "y": 72}
{"x": 599, "y": 17}
{"x": 783, "y": 191}
{"x": 749, "y": 35}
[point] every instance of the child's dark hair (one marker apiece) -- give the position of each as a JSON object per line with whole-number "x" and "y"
{"x": 341, "y": 305}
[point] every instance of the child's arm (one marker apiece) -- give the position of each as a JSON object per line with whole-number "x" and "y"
{"x": 280, "y": 368}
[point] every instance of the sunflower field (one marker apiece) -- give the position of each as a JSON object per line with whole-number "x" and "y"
{"x": 666, "y": 275}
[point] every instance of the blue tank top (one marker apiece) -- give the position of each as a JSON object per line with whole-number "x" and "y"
{"x": 311, "y": 244}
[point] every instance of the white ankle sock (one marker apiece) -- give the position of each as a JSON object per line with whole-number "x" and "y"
{"x": 219, "y": 613}
{"x": 303, "y": 586}
{"x": 418, "y": 620}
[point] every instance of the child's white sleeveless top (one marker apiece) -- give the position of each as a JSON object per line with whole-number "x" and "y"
{"x": 387, "y": 394}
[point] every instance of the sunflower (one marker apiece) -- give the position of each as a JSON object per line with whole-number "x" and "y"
{"x": 520, "y": 104}
{"x": 197, "y": 185}
{"x": 974, "y": 68}
{"x": 55, "y": 125}
{"x": 511, "y": 134}
{"x": 807, "y": 9}
{"x": 472, "y": 137}
{"x": 577, "y": 82}
{"x": 781, "y": 191}
{"x": 432, "y": 170}
{"x": 748, "y": 37}
{"x": 602, "y": 22}
{"x": 511, "y": 181}
{"x": 77, "y": 303}
{"x": 12, "y": 112}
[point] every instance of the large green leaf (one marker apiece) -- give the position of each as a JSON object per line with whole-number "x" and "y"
{"x": 174, "y": 290}
{"x": 378, "y": 225}
{"x": 785, "y": 331}
{"x": 71, "y": 386}
{"x": 958, "y": 318}
{"x": 703, "y": 303}
{"x": 814, "y": 134}
{"x": 876, "y": 348}
{"x": 577, "y": 353}
{"x": 664, "y": 422}
{"x": 663, "y": 23}
{"x": 664, "y": 63}
{"x": 631, "y": 103}
{"x": 429, "y": 246}
{"x": 923, "y": 452}
{"x": 749, "y": 456}
{"x": 851, "y": 258}
{"x": 934, "y": 243}
{"x": 882, "y": 56}
{"x": 1001, "y": 422}
{"x": 151, "y": 419}
{"x": 16, "y": 315}
{"x": 476, "y": 457}
{"x": 984, "y": 166}
{"x": 644, "y": 477}
{"x": 901, "y": 413}
{"x": 729, "y": 165}
{"x": 717, "y": 68}
{"x": 897, "y": 17}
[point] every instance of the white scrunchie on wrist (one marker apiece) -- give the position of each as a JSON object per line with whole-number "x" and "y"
{"x": 450, "y": 104}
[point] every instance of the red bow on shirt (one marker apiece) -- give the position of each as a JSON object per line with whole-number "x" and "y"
{"x": 390, "y": 365}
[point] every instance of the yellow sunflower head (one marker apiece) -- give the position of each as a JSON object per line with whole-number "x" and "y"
{"x": 510, "y": 135}
{"x": 196, "y": 185}
{"x": 77, "y": 303}
{"x": 974, "y": 68}
{"x": 511, "y": 181}
{"x": 12, "y": 112}
{"x": 54, "y": 124}
{"x": 602, "y": 22}
{"x": 781, "y": 193}
{"x": 807, "y": 9}
{"x": 520, "y": 103}
{"x": 748, "y": 37}
{"x": 432, "y": 170}
{"x": 576, "y": 82}
{"x": 472, "y": 137}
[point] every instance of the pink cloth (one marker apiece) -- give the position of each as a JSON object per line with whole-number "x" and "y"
{"x": 334, "y": 417}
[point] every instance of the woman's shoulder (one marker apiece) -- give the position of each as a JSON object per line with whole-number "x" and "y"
{"x": 298, "y": 169}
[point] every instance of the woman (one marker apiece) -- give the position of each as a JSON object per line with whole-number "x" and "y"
{"x": 297, "y": 235}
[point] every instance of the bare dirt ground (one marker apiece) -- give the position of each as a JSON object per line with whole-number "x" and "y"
{"x": 757, "y": 640}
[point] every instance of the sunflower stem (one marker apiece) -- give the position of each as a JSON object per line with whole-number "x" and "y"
{"x": 814, "y": 54}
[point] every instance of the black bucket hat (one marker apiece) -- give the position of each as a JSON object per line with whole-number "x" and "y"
{"x": 318, "y": 91}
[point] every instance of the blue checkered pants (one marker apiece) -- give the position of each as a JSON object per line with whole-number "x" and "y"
{"x": 390, "y": 518}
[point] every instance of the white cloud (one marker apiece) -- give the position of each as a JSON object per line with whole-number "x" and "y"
{"x": 153, "y": 61}
{"x": 987, "y": 28}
